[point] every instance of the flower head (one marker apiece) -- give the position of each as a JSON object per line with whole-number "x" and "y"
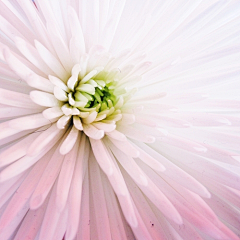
{"x": 119, "y": 120}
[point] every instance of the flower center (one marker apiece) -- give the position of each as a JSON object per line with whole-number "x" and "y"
{"x": 91, "y": 100}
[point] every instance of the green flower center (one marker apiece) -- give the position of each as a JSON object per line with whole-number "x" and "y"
{"x": 89, "y": 99}
{"x": 96, "y": 93}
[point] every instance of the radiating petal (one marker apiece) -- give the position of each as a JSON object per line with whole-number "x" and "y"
{"x": 119, "y": 120}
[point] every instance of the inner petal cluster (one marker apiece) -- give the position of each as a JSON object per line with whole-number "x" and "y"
{"x": 90, "y": 100}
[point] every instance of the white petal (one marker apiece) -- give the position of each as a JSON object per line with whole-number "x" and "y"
{"x": 16, "y": 64}
{"x": 149, "y": 160}
{"x": 60, "y": 46}
{"x": 99, "y": 201}
{"x": 90, "y": 75}
{"x": 46, "y": 139}
{"x": 58, "y": 82}
{"x": 17, "y": 207}
{"x": 102, "y": 156}
{"x": 90, "y": 118}
{"x": 65, "y": 178}
{"x": 127, "y": 118}
{"x": 51, "y": 218}
{"x": 92, "y": 132}
{"x": 63, "y": 121}
{"x": 47, "y": 180}
{"x": 66, "y": 109}
{"x": 53, "y": 112}
{"x": 129, "y": 164}
{"x": 12, "y": 112}
{"x": 72, "y": 81}
{"x": 31, "y": 54}
{"x": 77, "y": 35}
{"x": 51, "y": 61}
{"x": 44, "y": 99}
{"x": 116, "y": 135}
{"x": 70, "y": 141}
{"x": 88, "y": 88}
{"x": 76, "y": 194}
{"x": 104, "y": 126}
{"x": 40, "y": 83}
{"x": 29, "y": 122}
{"x": 16, "y": 151}
{"x": 136, "y": 134}
{"x": 126, "y": 147}
{"x": 17, "y": 99}
{"x": 77, "y": 123}
{"x": 60, "y": 94}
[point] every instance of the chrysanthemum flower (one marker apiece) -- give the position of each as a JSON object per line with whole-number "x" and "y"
{"x": 119, "y": 120}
